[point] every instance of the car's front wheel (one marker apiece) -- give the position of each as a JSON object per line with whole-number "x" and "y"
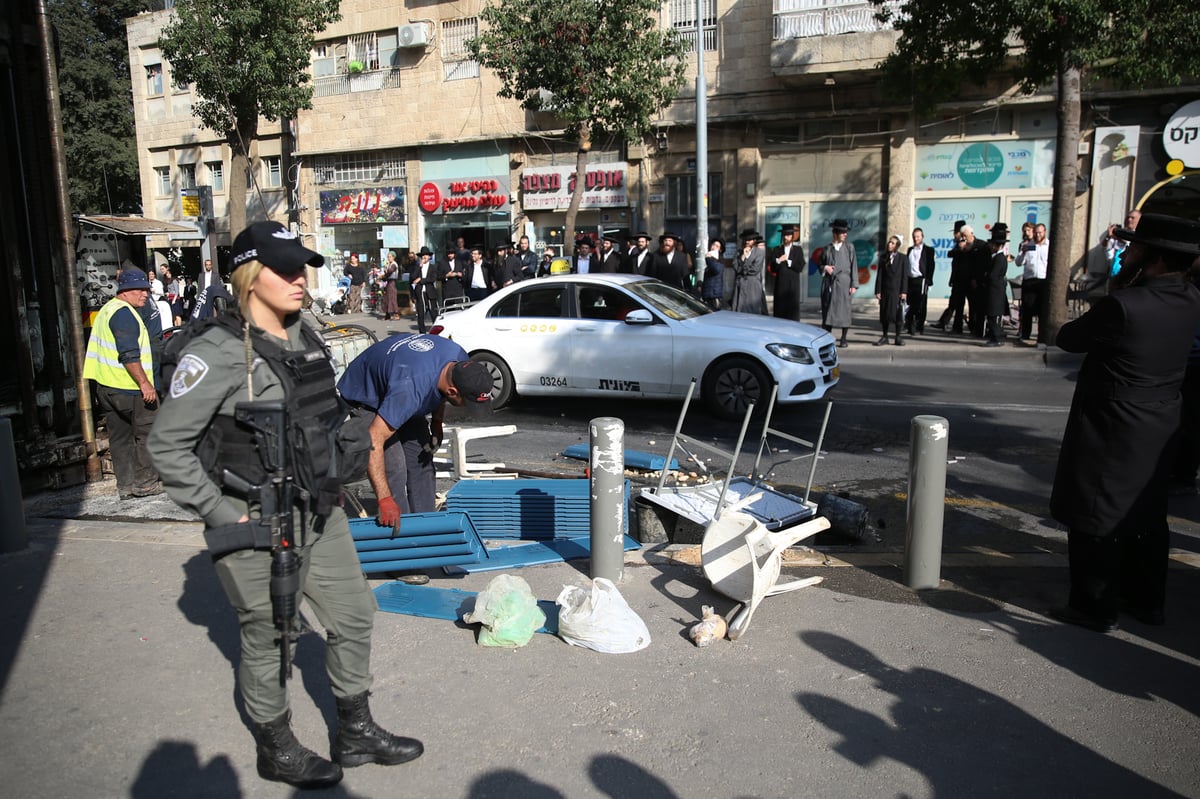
{"x": 502, "y": 379}
{"x": 730, "y": 386}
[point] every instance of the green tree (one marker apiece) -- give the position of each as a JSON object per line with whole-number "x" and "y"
{"x": 245, "y": 59}
{"x": 1051, "y": 44}
{"x": 97, "y": 112}
{"x": 600, "y": 66}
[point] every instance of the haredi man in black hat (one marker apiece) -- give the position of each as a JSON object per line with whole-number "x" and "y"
{"x": 1110, "y": 489}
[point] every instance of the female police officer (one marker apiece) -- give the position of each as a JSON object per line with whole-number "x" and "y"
{"x": 205, "y": 456}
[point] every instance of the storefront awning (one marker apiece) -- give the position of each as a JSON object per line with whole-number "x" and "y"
{"x": 137, "y": 226}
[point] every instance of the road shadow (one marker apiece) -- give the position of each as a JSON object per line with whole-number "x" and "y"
{"x": 510, "y": 784}
{"x": 965, "y": 741}
{"x": 620, "y": 778}
{"x": 174, "y": 769}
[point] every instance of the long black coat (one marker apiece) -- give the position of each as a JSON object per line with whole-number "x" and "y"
{"x": 1126, "y": 404}
{"x": 787, "y": 280}
{"x": 890, "y": 283}
{"x": 996, "y": 281}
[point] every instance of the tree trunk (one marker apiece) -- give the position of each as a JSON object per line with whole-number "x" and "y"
{"x": 585, "y": 144}
{"x": 239, "y": 172}
{"x": 1062, "y": 213}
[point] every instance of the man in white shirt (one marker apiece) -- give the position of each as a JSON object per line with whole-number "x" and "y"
{"x": 920, "y": 276}
{"x": 1032, "y": 258}
{"x": 477, "y": 289}
{"x": 208, "y": 276}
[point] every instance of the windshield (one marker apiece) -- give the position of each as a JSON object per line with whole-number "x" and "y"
{"x": 668, "y": 300}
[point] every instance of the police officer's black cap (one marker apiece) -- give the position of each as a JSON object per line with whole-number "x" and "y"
{"x": 1165, "y": 233}
{"x": 273, "y": 245}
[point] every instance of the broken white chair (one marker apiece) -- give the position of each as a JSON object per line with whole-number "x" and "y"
{"x": 742, "y": 559}
{"x": 456, "y": 447}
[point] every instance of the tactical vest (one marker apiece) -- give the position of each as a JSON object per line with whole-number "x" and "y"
{"x": 315, "y": 414}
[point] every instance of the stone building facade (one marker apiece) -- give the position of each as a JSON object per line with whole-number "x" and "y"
{"x": 407, "y": 144}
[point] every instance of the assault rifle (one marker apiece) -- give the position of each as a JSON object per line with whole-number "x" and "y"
{"x": 273, "y": 501}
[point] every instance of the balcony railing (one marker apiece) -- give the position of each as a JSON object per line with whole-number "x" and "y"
{"x": 710, "y": 39}
{"x": 797, "y": 19}
{"x": 345, "y": 83}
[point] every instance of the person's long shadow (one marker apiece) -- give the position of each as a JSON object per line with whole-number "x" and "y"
{"x": 204, "y": 604}
{"x": 617, "y": 777}
{"x": 173, "y": 769}
{"x": 963, "y": 740}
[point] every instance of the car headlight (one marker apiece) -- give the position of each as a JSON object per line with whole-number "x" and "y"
{"x": 791, "y": 352}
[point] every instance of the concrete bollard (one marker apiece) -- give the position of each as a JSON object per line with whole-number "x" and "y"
{"x": 926, "y": 501}
{"x": 13, "y": 535}
{"x": 607, "y": 491}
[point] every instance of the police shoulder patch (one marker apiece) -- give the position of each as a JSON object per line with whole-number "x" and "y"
{"x": 188, "y": 374}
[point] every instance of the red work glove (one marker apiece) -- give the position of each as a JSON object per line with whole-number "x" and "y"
{"x": 389, "y": 514}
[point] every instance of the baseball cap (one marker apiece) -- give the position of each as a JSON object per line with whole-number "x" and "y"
{"x": 275, "y": 246}
{"x": 132, "y": 278}
{"x": 474, "y": 382}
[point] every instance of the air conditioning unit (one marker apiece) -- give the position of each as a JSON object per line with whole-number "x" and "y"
{"x": 415, "y": 35}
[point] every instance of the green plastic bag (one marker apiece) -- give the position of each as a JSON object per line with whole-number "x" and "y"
{"x": 508, "y": 611}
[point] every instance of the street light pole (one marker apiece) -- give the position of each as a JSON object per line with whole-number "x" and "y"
{"x": 701, "y": 150}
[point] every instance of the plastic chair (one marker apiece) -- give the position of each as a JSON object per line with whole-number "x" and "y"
{"x": 742, "y": 559}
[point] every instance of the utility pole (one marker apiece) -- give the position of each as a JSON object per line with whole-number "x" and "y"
{"x": 701, "y": 150}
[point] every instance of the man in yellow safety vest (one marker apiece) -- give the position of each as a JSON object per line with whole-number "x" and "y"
{"x": 120, "y": 361}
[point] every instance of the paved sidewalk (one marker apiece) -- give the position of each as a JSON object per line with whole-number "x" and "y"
{"x": 118, "y": 652}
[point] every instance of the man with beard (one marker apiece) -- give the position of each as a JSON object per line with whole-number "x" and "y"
{"x": 610, "y": 256}
{"x": 638, "y": 261}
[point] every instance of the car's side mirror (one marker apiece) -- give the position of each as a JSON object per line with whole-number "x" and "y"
{"x": 639, "y": 316}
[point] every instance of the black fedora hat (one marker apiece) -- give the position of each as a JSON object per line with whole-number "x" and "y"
{"x": 1165, "y": 233}
{"x": 839, "y": 226}
{"x": 425, "y": 251}
{"x": 958, "y": 225}
{"x": 612, "y": 237}
{"x": 668, "y": 235}
{"x": 750, "y": 235}
{"x": 999, "y": 234}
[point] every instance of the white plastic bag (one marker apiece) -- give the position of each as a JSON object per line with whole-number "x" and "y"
{"x": 601, "y": 620}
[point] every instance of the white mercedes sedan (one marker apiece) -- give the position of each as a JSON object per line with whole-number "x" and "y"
{"x": 616, "y": 335}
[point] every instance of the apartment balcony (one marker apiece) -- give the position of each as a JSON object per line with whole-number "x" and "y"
{"x": 814, "y": 37}
{"x": 349, "y": 82}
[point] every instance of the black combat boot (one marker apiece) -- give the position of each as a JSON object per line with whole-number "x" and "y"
{"x": 282, "y": 758}
{"x": 360, "y": 740}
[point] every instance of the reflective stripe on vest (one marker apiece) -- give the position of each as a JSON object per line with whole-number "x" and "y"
{"x": 102, "y": 363}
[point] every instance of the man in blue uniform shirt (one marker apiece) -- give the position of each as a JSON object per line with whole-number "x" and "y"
{"x": 402, "y": 380}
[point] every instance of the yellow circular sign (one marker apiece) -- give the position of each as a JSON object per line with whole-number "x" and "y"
{"x": 1174, "y": 167}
